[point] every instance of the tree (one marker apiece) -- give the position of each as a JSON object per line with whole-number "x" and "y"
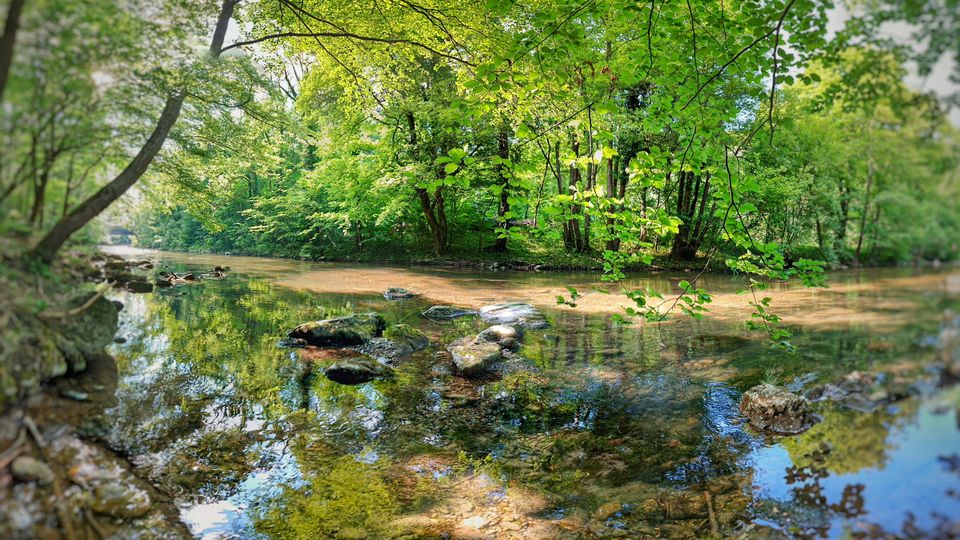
{"x": 48, "y": 246}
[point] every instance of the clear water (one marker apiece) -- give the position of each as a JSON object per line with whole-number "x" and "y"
{"x": 596, "y": 430}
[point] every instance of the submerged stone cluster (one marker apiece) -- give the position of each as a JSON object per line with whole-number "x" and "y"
{"x": 375, "y": 345}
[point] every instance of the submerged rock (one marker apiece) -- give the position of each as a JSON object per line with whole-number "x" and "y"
{"x": 138, "y": 286}
{"x": 397, "y": 341}
{"x": 407, "y": 337}
{"x": 472, "y": 359}
{"x": 291, "y": 343}
{"x": 776, "y": 409}
{"x": 397, "y": 293}
{"x": 357, "y": 370}
{"x": 502, "y": 334}
{"x": 446, "y": 313}
{"x": 120, "y": 501}
{"x": 113, "y": 489}
{"x": 341, "y": 331}
{"x": 515, "y": 313}
{"x": 75, "y": 395}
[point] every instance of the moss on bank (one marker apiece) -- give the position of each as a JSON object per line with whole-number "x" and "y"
{"x": 51, "y": 321}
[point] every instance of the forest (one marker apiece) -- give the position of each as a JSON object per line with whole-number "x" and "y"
{"x": 501, "y": 269}
{"x": 566, "y": 134}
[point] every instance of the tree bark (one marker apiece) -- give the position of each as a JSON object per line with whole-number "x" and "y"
{"x": 47, "y": 248}
{"x": 8, "y": 40}
{"x": 864, "y": 212}
{"x": 503, "y": 151}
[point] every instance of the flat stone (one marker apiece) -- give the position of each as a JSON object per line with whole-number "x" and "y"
{"x": 514, "y": 313}
{"x": 472, "y": 359}
{"x": 504, "y": 335}
{"x": 446, "y": 313}
{"x": 398, "y": 293}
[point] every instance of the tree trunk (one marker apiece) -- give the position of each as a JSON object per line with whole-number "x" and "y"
{"x": 841, "y": 238}
{"x": 503, "y": 148}
{"x": 691, "y": 201}
{"x": 613, "y": 241}
{"x": 864, "y": 212}
{"x": 432, "y": 206}
{"x": 39, "y": 198}
{"x": 8, "y": 40}
{"x": 436, "y": 219}
{"x": 47, "y": 248}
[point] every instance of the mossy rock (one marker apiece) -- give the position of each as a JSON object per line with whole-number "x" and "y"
{"x": 341, "y": 331}
{"x": 407, "y": 338}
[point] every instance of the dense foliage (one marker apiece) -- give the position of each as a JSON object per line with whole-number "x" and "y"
{"x": 605, "y": 130}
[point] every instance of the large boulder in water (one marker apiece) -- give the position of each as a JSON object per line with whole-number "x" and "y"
{"x": 341, "y": 331}
{"x": 356, "y": 370}
{"x": 514, "y": 313}
{"x": 472, "y": 359}
{"x": 776, "y": 409}
{"x": 502, "y": 334}
{"x": 446, "y": 313}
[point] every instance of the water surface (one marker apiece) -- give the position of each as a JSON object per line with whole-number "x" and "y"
{"x": 594, "y": 430}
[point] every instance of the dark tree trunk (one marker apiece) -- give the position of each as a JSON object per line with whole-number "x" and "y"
{"x": 99, "y": 201}
{"x": 503, "y": 151}
{"x": 39, "y": 198}
{"x": 8, "y": 40}
{"x": 841, "y": 239}
{"x": 432, "y": 205}
{"x": 692, "y": 194}
{"x": 864, "y": 212}
{"x": 435, "y": 214}
{"x": 574, "y": 242}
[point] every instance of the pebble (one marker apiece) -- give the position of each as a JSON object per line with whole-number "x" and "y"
{"x": 607, "y": 510}
{"x": 475, "y": 522}
{"x": 28, "y": 469}
{"x": 75, "y": 395}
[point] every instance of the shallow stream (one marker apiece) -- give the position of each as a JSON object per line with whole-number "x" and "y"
{"x": 592, "y": 430}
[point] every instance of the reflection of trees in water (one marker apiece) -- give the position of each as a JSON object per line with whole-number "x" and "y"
{"x": 847, "y": 441}
{"x": 596, "y": 411}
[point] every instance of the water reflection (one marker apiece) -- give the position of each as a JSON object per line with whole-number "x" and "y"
{"x": 639, "y": 421}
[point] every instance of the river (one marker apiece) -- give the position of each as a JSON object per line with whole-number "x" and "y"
{"x": 598, "y": 430}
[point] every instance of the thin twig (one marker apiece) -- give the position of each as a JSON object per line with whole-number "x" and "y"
{"x": 32, "y": 427}
{"x": 14, "y": 450}
{"x": 714, "y": 524}
{"x": 101, "y": 532}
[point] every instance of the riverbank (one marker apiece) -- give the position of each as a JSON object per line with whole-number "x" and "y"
{"x": 548, "y": 261}
{"x": 848, "y": 296}
{"x": 58, "y": 476}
